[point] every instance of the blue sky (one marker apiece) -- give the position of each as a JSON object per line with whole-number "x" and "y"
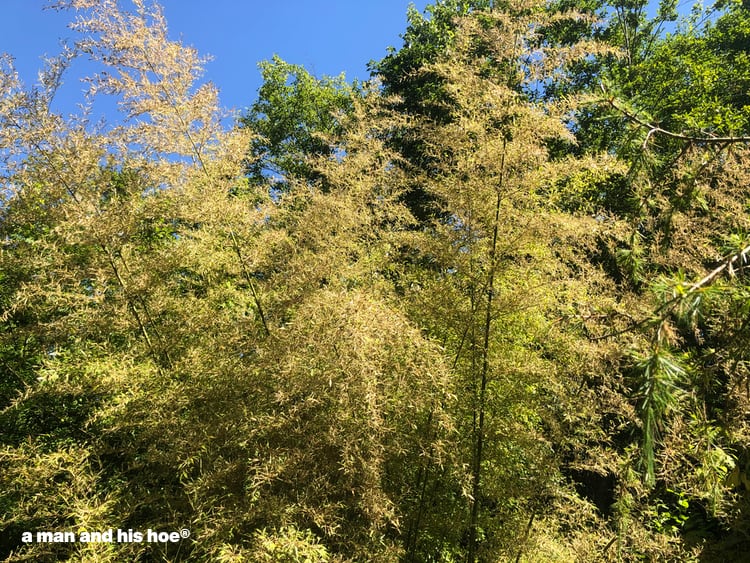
{"x": 326, "y": 36}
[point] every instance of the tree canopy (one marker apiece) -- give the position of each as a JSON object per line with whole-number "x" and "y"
{"x": 490, "y": 306}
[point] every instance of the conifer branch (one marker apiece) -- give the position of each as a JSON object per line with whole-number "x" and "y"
{"x": 726, "y": 264}
{"x": 655, "y": 129}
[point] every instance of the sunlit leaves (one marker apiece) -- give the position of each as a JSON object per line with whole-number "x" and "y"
{"x": 296, "y": 118}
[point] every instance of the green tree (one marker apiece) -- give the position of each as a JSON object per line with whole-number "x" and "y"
{"x": 295, "y": 118}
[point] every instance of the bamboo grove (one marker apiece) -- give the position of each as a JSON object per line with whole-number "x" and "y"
{"x": 492, "y": 305}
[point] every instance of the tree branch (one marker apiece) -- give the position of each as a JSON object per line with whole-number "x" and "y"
{"x": 726, "y": 264}
{"x": 656, "y": 129}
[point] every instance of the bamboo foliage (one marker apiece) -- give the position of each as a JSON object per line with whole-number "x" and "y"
{"x": 205, "y": 334}
{"x": 492, "y": 289}
{"x": 454, "y": 332}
